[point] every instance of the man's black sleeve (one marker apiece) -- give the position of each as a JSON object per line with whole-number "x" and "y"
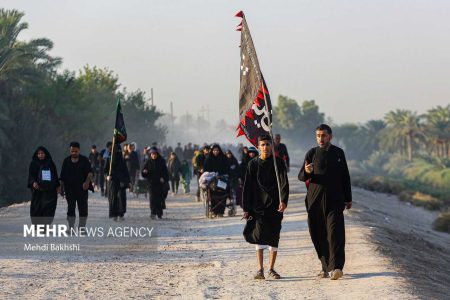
{"x": 287, "y": 156}
{"x": 302, "y": 175}
{"x": 347, "y": 187}
{"x": 63, "y": 175}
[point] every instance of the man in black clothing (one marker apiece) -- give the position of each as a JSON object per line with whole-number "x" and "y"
{"x": 179, "y": 152}
{"x": 132, "y": 162}
{"x": 76, "y": 176}
{"x": 262, "y": 205}
{"x": 188, "y": 154}
{"x": 281, "y": 151}
{"x": 95, "y": 165}
{"x": 327, "y": 178}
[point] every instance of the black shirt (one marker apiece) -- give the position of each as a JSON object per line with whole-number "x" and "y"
{"x": 74, "y": 174}
{"x": 330, "y": 179}
{"x": 260, "y": 190}
{"x": 93, "y": 159}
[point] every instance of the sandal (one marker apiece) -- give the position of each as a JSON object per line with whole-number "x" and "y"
{"x": 323, "y": 274}
{"x": 274, "y": 274}
{"x": 260, "y": 274}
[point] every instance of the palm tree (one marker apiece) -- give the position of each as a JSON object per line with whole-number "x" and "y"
{"x": 402, "y": 130}
{"x": 438, "y": 129}
{"x": 20, "y": 60}
{"x": 20, "y": 63}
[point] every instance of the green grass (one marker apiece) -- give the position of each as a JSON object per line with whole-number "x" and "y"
{"x": 442, "y": 223}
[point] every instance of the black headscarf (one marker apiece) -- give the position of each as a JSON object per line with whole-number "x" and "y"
{"x": 218, "y": 163}
{"x": 36, "y": 164}
{"x": 47, "y": 158}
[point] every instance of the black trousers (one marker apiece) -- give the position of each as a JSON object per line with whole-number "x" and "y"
{"x": 133, "y": 178}
{"x": 101, "y": 179}
{"x": 327, "y": 231}
{"x": 79, "y": 199}
{"x": 198, "y": 185}
{"x": 96, "y": 179}
{"x": 175, "y": 183}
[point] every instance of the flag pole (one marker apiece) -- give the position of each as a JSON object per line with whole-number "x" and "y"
{"x": 112, "y": 153}
{"x": 261, "y": 79}
{"x": 271, "y": 137}
{"x": 114, "y": 140}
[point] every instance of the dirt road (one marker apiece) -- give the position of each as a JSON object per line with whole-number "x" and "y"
{"x": 190, "y": 257}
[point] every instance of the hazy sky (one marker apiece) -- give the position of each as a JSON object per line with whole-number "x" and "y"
{"x": 358, "y": 59}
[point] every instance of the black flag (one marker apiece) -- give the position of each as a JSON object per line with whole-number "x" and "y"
{"x": 120, "y": 132}
{"x": 255, "y": 108}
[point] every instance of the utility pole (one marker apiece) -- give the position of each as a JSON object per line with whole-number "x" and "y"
{"x": 171, "y": 121}
{"x": 151, "y": 95}
{"x": 203, "y": 111}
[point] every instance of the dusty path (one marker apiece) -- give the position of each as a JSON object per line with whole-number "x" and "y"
{"x": 191, "y": 257}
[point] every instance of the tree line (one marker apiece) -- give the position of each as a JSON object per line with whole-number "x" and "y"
{"x": 41, "y": 106}
{"x": 405, "y": 132}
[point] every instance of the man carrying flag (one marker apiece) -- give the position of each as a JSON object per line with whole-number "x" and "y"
{"x": 266, "y": 187}
{"x": 118, "y": 179}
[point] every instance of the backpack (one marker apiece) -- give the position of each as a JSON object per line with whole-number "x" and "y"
{"x": 45, "y": 178}
{"x": 194, "y": 159}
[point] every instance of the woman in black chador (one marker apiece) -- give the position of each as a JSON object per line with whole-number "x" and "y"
{"x": 217, "y": 162}
{"x": 44, "y": 184}
{"x": 155, "y": 170}
{"x": 118, "y": 182}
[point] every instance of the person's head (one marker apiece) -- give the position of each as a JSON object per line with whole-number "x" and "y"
{"x": 94, "y": 149}
{"x": 125, "y": 148}
{"x": 131, "y": 147}
{"x": 324, "y": 134}
{"x": 245, "y": 149}
{"x": 277, "y": 139}
{"x": 173, "y": 155}
{"x": 215, "y": 149}
{"x": 74, "y": 149}
{"x": 40, "y": 154}
{"x": 109, "y": 146}
{"x": 205, "y": 150}
{"x": 153, "y": 153}
{"x": 252, "y": 152}
{"x": 265, "y": 145}
{"x": 229, "y": 154}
